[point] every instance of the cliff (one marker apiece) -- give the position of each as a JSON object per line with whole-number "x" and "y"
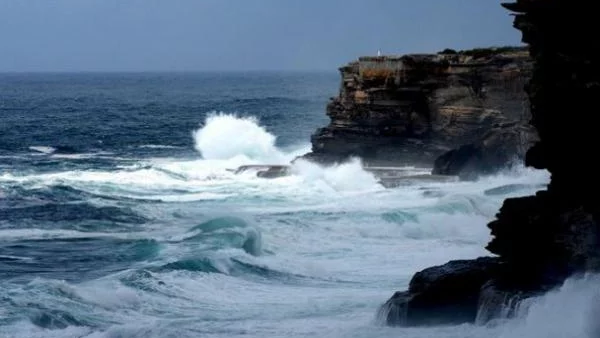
{"x": 563, "y": 91}
{"x": 540, "y": 240}
{"x": 410, "y": 109}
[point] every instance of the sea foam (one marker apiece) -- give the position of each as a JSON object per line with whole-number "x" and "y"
{"x": 225, "y": 136}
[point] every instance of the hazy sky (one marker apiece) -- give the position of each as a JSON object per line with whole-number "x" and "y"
{"x": 137, "y": 35}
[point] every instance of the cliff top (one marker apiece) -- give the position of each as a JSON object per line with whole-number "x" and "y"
{"x": 451, "y": 55}
{"x": 395, "y": 66}
{"x": 488, "y": 51}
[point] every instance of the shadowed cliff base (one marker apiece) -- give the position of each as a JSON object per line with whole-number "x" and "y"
{"x": 539, "y": 240}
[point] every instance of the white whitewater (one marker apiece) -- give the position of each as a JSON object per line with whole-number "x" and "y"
{"x": 226, "y": 136}
{"x": 336, "y": 245}
{"x": 42, "y": 149}
{"x": 572, "y": 310}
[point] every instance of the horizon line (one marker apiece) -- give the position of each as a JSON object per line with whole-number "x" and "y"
{"x": 167, "y": 71}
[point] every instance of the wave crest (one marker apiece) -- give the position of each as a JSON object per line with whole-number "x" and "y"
{"x": 226, "y": 136}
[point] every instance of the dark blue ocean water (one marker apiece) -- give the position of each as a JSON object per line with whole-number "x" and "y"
{"x": 120, "y": 215}
{"x": 118, "y": 113}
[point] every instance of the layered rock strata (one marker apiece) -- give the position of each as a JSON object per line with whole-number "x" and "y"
{"x": 539, "y": 240}
{"x": 411, "y": 109}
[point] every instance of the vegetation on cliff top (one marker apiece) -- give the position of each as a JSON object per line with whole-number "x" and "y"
{"x": 486, "y": 52}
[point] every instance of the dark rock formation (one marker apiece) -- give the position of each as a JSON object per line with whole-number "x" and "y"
{"x": 265, "y": 170}
{"x": 541, "y": 240}
{"x": 447, "y": 294}
{"x": 274, "y": 172}
{"x": 562, "y": 221}
{"x": 499, "y": 148}
{"x": 413, "y": 108}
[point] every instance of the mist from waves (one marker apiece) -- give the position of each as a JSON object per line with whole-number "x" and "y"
{"x": 571, "y": 310}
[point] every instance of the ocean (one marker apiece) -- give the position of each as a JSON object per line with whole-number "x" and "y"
{"x": 121, "y": 215}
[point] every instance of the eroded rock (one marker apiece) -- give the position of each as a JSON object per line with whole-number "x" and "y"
{"x": 410, "y": 109}
{"x": 500, "y": 148}
{"x": 446, "y": 294}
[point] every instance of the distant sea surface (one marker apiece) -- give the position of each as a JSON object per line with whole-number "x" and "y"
{"x": 121, "y": 215}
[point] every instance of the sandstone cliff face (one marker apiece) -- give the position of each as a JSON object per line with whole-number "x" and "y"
{"x": 540, "y": 240}
{"x": 411, "y": 109}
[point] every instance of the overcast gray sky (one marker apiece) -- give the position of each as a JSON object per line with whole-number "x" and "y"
{"x": 138, "y": 35}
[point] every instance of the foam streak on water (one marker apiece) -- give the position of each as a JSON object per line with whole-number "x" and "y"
{"x": 181, "y": 246}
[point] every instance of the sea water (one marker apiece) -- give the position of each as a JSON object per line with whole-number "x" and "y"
{"x": 121, "y": 215}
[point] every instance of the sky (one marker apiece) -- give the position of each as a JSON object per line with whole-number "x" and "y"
{"x": 233, "y": 35}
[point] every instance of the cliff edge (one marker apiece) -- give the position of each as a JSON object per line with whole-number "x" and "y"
{"x": 397, "y": 110}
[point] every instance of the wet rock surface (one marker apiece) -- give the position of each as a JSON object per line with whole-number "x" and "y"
{"x": 446, "y": 294}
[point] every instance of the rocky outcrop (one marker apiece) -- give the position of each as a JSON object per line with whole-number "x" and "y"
{"x": 499, "y": 148}
{"x": 562, "y": 221}
{"x": 413, "y": 108}
{"x": 447, "y": 294}
{"x": 541, "y": 240}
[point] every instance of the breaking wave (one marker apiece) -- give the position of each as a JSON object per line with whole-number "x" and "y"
{"x": 226, "y": 136}
{"x": 570, "y": 311}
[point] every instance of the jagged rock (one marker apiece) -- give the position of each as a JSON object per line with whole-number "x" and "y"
{"x": 413, "y": 108}
{"x": 541, "y": 240}
{"x": 274, "y": 172}
{"x": 446, "y": 294}
{"x": 566, "y": 239}
{"x": 563, "y": 221}
{"x": 499, "y": 148}
{"x": 265, "y": 170}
